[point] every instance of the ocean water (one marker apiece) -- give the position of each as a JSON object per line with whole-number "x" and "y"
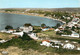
{"x": 16, "y": 20}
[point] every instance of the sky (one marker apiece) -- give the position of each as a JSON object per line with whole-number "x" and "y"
{"x": 39, "y": 3}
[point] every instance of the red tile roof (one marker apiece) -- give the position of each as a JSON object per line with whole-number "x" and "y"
{"x": 46, "y": 40}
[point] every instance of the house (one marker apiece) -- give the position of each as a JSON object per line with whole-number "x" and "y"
{"x": 44, "y": 28}
{"x": 69, "y": 46}
{"x": 60, "y": 28}
{"x": 26, "y": 29}
{"x": 56, "y": 41}
{"x": 2, "y": 41}
{"x": 18, "y": 33}
{"x": 4, "y": 53}
{"x": 33, "y": 36}
{"x": 66, "y": 41}
{"x": 74, "y": 34}
{"x": 51, "y": 28}
{"x": 78, "y": 48}
{"x": 46, "y": 43}
{"x": 68, "y": 18}
{"x": 8, "y": 31}
{"x": 75, "y": 20}
{"x": 56, "y": 46}
{"x": 57, "y": 30}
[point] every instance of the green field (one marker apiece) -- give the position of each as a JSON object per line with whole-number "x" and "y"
{"x": 52, "y": 35}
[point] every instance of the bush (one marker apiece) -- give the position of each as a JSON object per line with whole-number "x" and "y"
{"x": 67, "y": 32}
{"x": 43, "y": 25}
{"x": 8, "y": 27}
{"x": 58, "y": 33}
{"x": 27, "y": 24}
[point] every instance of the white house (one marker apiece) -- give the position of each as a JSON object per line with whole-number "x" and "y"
{"x": 69, "y": 46}
{"x": 78, "y": 48}
{"x": 26, "y": 29}
{"x": 56, "y": 42}
{"x": 2, "y": 41}
{"x": 57, "y": 30}
{"x": 46, "y": 43}
{"x": 66, "y": 41}
{"x": 44, "y": 29}
{"x": 33, "y": 36}
{"x": 8, "y": 31}
{"x": 18, "y": 33}
{"x": 56, "y": 46}
{"x": 74, "y": 34}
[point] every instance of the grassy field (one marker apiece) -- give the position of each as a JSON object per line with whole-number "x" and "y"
{"x": 6, "y": 36}
{"x": 52, "y": 35}
{"x": 25, "y": 43}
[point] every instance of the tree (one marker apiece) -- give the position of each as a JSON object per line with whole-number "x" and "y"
{"x": 57, "y": 25}
{"x": 27, "y": 24}
{"x": 59, "y": 33}
{"x": 8, "y": 27}
{"x": 73, "y": 28}
{"x": 25, "y": 37}
{"x": 67, "y": 32}
{"x": 62, "y": 17}
{"x": 67, "y": 27}
{"x": 43, "y": 25}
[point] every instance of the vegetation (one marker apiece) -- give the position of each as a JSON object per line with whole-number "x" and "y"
{"x": 8, "y": 27}
{"x": 6, "y": 10}
{"x": 76, "y": 29}
{"x": 25, "y": 37}
{"x": 53, "y": 35}
{"x": 73, "y": 28}
{"x": 57, "y": 25}
{"x": 6, "y": 36}
{"x": 37, "y": 29}
{"x": 27, "y": 24}
{"x": 26, "y": 43}
{"x": 43, "y": 25}
{"x": 56, "y": 14}
{"x": 59, "y": 33}
{"x": 67, "y": 32}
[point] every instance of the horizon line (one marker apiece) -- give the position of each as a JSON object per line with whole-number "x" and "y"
{"x": 41, "y": 8}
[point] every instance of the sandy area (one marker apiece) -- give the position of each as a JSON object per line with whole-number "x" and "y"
{"x": 17, "y": 51}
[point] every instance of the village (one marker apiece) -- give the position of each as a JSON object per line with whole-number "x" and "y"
{"x": 66, "y": 30}
{"x": 64, "y": 37}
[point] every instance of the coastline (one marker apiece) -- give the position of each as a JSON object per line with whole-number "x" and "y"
{"x": 34, "y": 15}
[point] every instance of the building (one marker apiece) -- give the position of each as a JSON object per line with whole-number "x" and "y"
{"x": 44, "y": 28}
{"x": 2, "y": 41}
{"x": 69, "y": 46}
{"x": 57, "y": 30}
{"x": 46, "y": 43}
{"x": 33, "y": 36}
{"x": 26, "y": 29}
{"x": 74, "y": 34}
{"x": 8, "y": 31}
{"x": 78, "y": 48}
{"x": 18, "y": 33}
